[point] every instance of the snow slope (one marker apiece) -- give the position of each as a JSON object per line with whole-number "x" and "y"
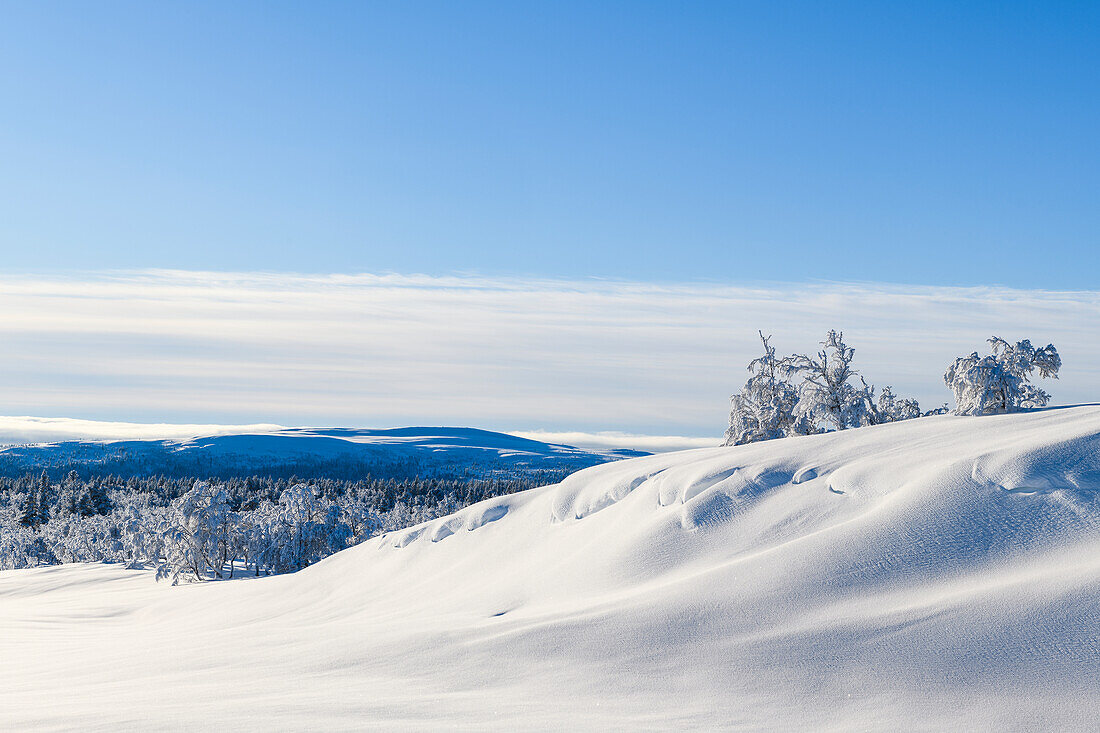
{"x": 936, "y": 574}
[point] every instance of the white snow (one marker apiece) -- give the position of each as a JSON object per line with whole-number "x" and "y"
{"x": 932, "y": 574}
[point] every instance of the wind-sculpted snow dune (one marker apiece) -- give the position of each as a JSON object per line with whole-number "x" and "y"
{"x": 935, "y": 574}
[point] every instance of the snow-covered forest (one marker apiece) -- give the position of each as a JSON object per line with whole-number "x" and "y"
{"x": 191, "y": 529}
{"x": 216, "y": 507}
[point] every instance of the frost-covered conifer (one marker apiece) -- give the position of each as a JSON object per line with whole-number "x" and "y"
{"x": 1000, "y": 382}
{"x": 93, "y": 498}
{"x": 43, "y": 505}
{"x": 28, "y": 509}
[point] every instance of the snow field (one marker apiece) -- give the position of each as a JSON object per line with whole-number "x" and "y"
{"x": 938, "y": 573}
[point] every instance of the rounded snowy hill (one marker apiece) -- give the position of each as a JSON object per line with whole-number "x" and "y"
{"x": 935, "y": 574}
{"x": 308, "y": 453}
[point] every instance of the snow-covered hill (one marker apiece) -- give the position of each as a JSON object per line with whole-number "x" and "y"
{"x": 935, "y": 574}
{"x": 310, "y": 452}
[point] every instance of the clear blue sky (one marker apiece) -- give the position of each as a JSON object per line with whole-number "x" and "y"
{"x": 937, "y": 143}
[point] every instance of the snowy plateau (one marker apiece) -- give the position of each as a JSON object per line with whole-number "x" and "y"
{"x": 941, "y": 573}
{"x": 305, "y": 452}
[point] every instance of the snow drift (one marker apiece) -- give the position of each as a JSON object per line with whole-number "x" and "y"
{"x": 930, "y": 574}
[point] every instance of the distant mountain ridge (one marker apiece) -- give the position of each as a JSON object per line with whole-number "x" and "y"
{"x": 400, "y": 453}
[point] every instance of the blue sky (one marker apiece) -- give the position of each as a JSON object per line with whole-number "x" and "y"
{"x": 586, "y": 210}
{"x": 925, "y": 143}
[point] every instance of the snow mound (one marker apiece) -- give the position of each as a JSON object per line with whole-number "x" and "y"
{"x": 940, "y": 573}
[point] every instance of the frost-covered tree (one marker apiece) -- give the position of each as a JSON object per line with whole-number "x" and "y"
{"x": 68, "y": 494}
{"x": 18, "y": 546}
{"x": 28, "y": 509}
{"x": 827, "y": 394}
{"x": 309, "y": 528}
{"x": 889, "y": 407}
{"x": 75, "y": 538}
{"x": 1001, "y": 382}
{"x": 35, "y": 506}
{"x": 93, "y": 498}
{"x": 39, "y": 552}
{"x": 251, "y": 536}
{"x": 141, "y": 543}
{"x": 43, "y": 499}
{"x": 764, "y": 408}
{"x": 197, "y": 534}
{"x": 802, "y": 395}
{"x": 361, "y": 519}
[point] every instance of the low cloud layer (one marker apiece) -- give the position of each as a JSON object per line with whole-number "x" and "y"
{"x": 507, "y": 354}
{"x": 22, "y": 430}
{"x": 615, "y": 440}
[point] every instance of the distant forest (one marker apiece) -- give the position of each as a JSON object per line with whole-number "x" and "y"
{"x": 200, "y": 529}
{"x": 116, "y": 464}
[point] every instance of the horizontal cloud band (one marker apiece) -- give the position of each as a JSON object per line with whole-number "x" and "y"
{"x": 500, "y": 353}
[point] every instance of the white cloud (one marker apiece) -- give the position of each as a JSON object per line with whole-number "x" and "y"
{"x": 379, "y": 350}
{"x": 615, "y": 440}
{"x": 20, "y": 430}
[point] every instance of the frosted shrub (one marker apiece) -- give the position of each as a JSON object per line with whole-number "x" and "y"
{"x": 310, "y": 528}
{"x": 141, "y": 542}
{"x": 764, "y": 408}
{"x": 891, "y": 408}
{"x": 802, "y": 395}
{"x": 20, "y": 548}
{"x": 1000, "y": 382}
{"x": 827, "y": 395}
{"x": 75, "y": 538}
{"x": 196, "y": 534}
